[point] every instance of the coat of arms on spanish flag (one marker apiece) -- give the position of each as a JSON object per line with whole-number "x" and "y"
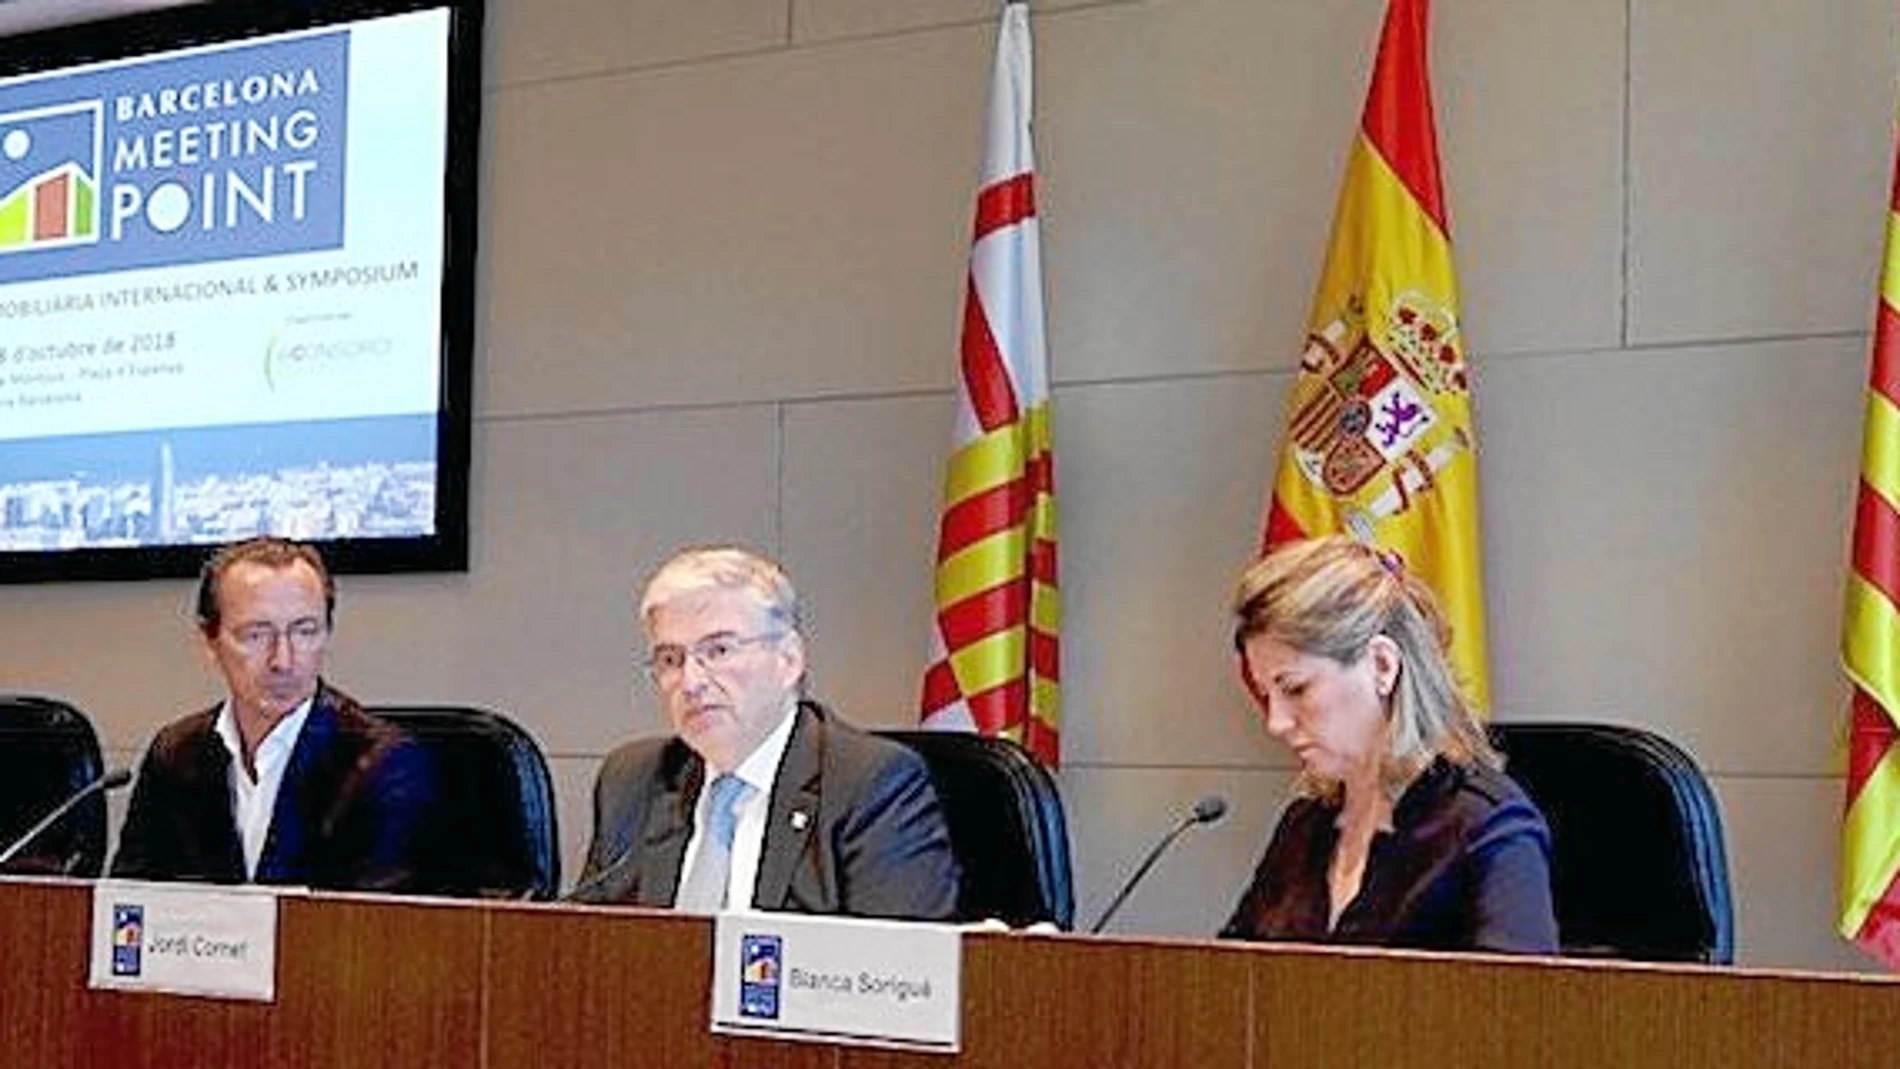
{"x": 1379, "y": 440}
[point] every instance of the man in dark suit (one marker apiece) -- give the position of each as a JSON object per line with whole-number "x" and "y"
{"x": 761, "y": 798}
{"x": 287, "y": 781}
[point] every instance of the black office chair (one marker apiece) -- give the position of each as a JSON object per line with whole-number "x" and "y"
{"x": 1638, "y": 867}
{"x": 493, "y": 828}
{"x": 1006, "y": 826}
{"x": 48, "y": 753}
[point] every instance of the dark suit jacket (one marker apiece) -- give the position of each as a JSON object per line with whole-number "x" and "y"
{"x": 349, "y": 816}
{"x": 853, "y": 826}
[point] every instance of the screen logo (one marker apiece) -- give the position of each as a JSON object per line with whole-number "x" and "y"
{"x": 49, "y": 177}
{"x": 128, "y": 939}
{"x": 188, "y": 158}
{"x": 761, "y": 960}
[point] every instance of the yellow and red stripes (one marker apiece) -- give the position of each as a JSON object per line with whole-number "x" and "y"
{"x": 1870, "y": 643}
{"x": 996, "y": 587}
{"x": 994, "y": 663}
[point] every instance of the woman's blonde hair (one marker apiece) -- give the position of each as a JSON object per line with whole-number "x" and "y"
{"x": 1330, "y": 597}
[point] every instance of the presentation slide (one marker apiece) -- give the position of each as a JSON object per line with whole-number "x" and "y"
{"x": 221, "y": 291}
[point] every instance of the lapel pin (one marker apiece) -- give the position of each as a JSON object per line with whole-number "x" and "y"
{"x": 799, "y": 819}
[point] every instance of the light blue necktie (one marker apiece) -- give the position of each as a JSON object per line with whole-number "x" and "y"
{"x": 704, "y": 889}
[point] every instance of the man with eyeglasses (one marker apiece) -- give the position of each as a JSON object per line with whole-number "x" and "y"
{"x": 762, "y": 800}
{"x": 288, "y": 780}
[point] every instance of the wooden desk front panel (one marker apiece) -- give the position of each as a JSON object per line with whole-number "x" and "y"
{"x": 359, "y": 983}
{"x": 598, "y": 987}
{"x": 418, "y": 985}
{"x": 1036, "y": 1001}
{"x": 1332, "y": 1008}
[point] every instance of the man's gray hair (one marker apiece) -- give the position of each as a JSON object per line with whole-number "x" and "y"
{"x": 702, "y": 568}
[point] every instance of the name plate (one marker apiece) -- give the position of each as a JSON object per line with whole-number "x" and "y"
{"x": 838, "y": 980}
{"x": 187, "y": 939}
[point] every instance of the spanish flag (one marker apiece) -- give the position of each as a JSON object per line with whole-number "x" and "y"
{"x": 1379, "y": 440}
{"x": 993, "y": 640}
{"x": 1870, "y": 642}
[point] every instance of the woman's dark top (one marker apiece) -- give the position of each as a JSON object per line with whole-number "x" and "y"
{"x": 1466, "y": 866}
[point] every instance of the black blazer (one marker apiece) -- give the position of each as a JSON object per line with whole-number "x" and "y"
{"x": 349, "y": 816}
{"x": 854, "y": 826}
{"x": 1466, "y": 866}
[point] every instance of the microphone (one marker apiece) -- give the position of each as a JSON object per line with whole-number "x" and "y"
{"x": 1206, "y": 811}
{"x": 111, "y": 781}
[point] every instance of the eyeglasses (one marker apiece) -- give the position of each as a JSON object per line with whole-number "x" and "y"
{"x": 713, "y": 653}
{"x": 257, "y": 640}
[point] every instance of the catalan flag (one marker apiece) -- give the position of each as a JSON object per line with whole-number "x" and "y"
{"x": 1870, "y": 642}
{"x": 1379, "y": 440}
{"x": 993, "y": 643}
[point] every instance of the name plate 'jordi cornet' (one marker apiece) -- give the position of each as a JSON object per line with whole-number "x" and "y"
{"x": 217, "y": 942}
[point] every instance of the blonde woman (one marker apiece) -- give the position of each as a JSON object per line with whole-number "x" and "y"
{"x": 1406, "y": 831}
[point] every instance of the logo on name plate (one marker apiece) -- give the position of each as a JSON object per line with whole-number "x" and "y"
{"x": 128, "y": 939}
{"x": 761, "y": 961}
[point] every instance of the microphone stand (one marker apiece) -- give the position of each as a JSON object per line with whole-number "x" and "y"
{"x": 1206, "y": 811}
{"x": 112, "y": 780}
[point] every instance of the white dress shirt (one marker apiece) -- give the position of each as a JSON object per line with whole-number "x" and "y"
{"x": 253, "y": 801}
{"x": 759, "y": 771}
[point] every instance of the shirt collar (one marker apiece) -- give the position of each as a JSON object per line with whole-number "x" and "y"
{"x": 760, "y": 767}
{"x": 1433, "y": 781}
{"x": 277, "y": 744}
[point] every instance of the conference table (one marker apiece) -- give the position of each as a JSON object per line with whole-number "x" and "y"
{"x": 415, "y": 983}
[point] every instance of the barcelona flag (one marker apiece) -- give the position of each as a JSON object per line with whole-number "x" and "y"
{"x": 1870, "y": 642}
{"x": 994, "y": 637}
